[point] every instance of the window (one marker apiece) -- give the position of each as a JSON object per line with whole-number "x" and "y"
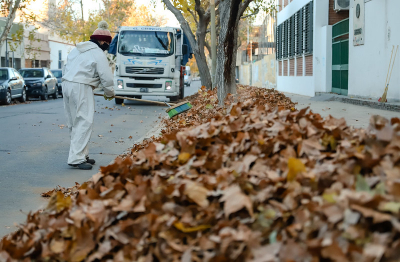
{"x": 16, "y": 74}
{"x": 145, "y": 43}
{"x": 59, "y": 55}
{"x": 3, "y": 74}
{"x": 11, "y": 74}
{"x": 35, "y": 63}
{"x": 32, "y": 73}
{"x": 308, "y": 28}
{"x": 17, "y": 63}
{"x": 299, "y": 32}
{"x": 294, "y": 37}
{"x": 57, "y": 73}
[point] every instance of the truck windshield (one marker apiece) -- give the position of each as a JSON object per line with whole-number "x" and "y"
{"x": 145, "y": 43}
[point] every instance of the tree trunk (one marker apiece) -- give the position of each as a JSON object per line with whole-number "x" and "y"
{"x": 199, "y": 54}
{"x": 227, "y": 46}
{"x": 9, "y": 21}
{"x": 198, "y": 49}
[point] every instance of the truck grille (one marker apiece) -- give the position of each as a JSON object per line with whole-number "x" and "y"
{"x": 144, "y": 85}
{"x": 144, "y": 70}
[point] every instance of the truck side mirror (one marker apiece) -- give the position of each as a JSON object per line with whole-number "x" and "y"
{"x": 184, "y": 49}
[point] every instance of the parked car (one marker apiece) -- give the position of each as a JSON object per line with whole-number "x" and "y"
{"x": 12, "y": 85}
{"x": 40, "y": 82}
{"x": 58, "y": 74}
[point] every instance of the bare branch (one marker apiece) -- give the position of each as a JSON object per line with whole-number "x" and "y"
{"x": 184, "y": 24}
{"x": 207, "y": 45}
{"x": 194, "y": 16}
{"x": 9, "y": 21}
{"x": 243, "y": 7}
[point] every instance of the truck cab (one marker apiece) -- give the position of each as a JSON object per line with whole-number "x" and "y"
{"x": 149, "y": 62}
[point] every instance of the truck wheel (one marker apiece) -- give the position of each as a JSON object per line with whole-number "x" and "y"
{"x": 173, "y": 98}
{"x": 181, "y": 93}
{"x": 119, "y": 101}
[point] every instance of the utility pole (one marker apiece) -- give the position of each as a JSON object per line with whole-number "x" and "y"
{"x": 213, "y": 43}
{"x": 6, "y": 53}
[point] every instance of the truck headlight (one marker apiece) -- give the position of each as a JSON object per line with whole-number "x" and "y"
{"x": 120, "y": 84}
{"x": 168, "y": 85}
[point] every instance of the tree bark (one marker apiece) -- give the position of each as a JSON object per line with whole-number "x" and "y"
{"x": 197, "y": 46}
{"x": 9, "y": 21}
{"x": 230, "y": 13}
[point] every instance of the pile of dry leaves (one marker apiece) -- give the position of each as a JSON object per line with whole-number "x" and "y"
{"x": 205, "y": 108}
{"x": 258, "y": 184}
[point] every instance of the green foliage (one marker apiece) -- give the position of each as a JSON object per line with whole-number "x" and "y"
{"x": 68, "y": 23}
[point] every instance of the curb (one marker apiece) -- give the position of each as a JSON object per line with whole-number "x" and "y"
{"x": 360, "y": 102}
{"x": 372, "y": 104}
{"x": 155, "y": 131}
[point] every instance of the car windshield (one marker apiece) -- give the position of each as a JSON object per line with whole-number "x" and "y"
{"x": 145, "y": 43}
{"x": 31, "y": 73}
{"x": 57, "y": 74}
{"x": 3, "y": 74}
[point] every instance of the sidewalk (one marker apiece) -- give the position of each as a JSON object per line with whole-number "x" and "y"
{"x": 355, "y": 115}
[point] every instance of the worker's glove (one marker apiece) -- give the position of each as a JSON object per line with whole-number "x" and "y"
{"x": 108, "y": 98}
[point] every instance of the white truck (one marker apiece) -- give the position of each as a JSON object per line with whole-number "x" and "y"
{"x": 150, "y": 61}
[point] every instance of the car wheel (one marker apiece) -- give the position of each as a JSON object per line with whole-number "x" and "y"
{"x": 45, "y": 95}
{"x": 55, "y": 95}
{"x": 119, "y": 101}
{"x": 22, "y": 99}
{"x": 8, "y": 97}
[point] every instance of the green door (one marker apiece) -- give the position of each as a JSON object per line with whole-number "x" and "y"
{"x": 340, "y": 67}
{"x": 340, "y": 57}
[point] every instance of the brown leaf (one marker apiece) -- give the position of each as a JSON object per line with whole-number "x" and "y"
{"x": 235, "y": 200}
{"x": 197, "y": 193}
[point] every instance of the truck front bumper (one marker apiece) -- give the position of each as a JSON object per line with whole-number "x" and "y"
{"x": 132, "y": 87}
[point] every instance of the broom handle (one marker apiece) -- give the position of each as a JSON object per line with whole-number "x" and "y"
{"x": 390, "y": 62}
{"x": 140, "y": 100}
{"x": 394, "y": 59}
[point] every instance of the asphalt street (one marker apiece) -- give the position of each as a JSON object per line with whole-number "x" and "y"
{"x": 34, "y": 144}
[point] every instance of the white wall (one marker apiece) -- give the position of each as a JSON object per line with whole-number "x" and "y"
{"x": 322, "y": 52}
{"x": 368, "y": 63}
{"x": 296, "y": 85}
{"x": 54, "y": 48}
{"x": 321, "y": 44}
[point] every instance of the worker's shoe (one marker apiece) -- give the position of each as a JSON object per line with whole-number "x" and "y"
{"x": 90, "y": 161}
{"x": 83, "y": 166}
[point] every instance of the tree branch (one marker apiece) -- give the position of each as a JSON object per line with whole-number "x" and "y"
{"x": 194, "y": 16}
{"x": 243, "y": 6}
{"x": 208, "y": 47}
{"x": 184, "y": 24}
{"x": 199, "y": 10}
{"x": 9, "y": 21}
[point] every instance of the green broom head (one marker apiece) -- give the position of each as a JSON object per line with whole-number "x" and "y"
{"x": 179, "y": 109}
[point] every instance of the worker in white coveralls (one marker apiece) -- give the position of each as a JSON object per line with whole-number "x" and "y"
{"x": 87, "y": 68}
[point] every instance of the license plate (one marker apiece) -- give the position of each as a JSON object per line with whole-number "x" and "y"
{"x": 144, "y": 90}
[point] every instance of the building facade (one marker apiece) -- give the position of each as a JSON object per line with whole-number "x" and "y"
{"x": 328, "y": 48}
{"x": 255, "y": 64}
{"x": 37, "y": 50}
{"x": 15, "y": 49}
